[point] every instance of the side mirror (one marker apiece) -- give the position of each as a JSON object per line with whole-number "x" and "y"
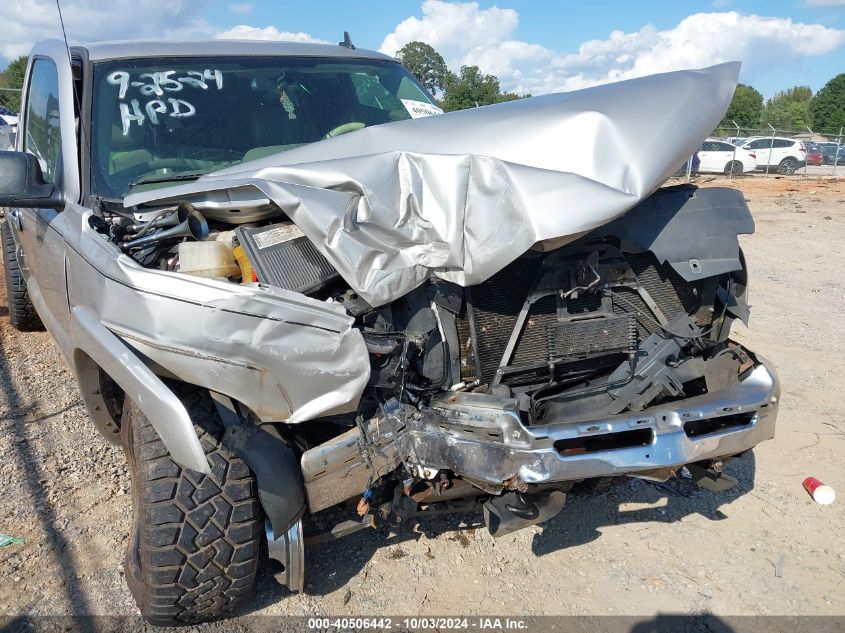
{"x": 22, "y": 183}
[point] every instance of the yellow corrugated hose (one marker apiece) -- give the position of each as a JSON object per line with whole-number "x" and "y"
{"x": 247, "y": 273}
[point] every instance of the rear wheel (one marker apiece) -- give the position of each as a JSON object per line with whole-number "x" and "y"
{"x": 194, "y": 546}
{"x": 733, "y": 168}
{"x": 22, "y": 314}
{"x": 788, "y": 166}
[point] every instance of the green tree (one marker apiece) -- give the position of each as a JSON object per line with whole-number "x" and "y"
{"x": 426, "y": 64}
{"x": 789, "y": 109}
{"x": 12, "y": 76}
{"x": 473, "y": 88}
{"x": 746, "y": 107}
{"x": 511, "y": 96}
{"x": 827, "y": 108}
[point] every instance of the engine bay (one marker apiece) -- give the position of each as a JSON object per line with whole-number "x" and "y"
{"x": 595, "y": 327}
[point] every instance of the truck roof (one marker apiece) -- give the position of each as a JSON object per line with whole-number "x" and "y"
{"x": 100, "y": 51}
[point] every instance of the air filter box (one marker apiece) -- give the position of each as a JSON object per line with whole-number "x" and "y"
{"x": 282, "y": 256}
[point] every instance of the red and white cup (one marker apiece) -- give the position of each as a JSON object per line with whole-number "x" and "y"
{"x": 819, "y": 491}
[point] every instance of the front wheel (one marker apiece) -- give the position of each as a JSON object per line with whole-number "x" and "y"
{"x": 193, "y": 550}
{"x": 22, "y": 314}
{"x": 788, "y": 166}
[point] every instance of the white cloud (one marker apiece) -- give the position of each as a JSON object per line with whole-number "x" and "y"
{"x": 453, "y": 28}
{"x": 245, "y": 32}
{"x": 241, "y": 7}
{"x": 27, "y": 21}
{"x": 760, "y": 43}
{"x": 466, "y": 34}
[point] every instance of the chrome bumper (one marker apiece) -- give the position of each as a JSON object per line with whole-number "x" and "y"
{"x": 482, "y": 437}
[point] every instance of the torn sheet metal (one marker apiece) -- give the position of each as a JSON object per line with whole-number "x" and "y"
{"x": 461, "y": 195}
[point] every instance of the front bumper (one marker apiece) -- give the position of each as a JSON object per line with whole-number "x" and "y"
{"x": 483, "y": 438}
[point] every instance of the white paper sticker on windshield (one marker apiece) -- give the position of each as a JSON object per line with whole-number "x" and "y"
{"x": 419, "y": 109}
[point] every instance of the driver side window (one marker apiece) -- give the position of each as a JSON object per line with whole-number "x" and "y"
{"x": 42, "y": 136}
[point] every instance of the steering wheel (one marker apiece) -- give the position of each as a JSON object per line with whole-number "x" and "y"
{"x": 134, "y": 171}
{"x": 215, "y": 155}
{"x": 200, "y": 159}
{"x": 345, "y": 128}
{"x": 170, "y": 163}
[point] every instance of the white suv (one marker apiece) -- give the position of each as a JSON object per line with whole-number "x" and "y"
{"x": 719, "y": 157}
{"x": 785, "y": 154}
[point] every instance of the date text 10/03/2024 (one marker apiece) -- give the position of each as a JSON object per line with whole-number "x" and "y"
{"x": 416, "y": 624}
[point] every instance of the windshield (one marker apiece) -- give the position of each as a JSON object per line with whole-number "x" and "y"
{"x": 162, "y": 119}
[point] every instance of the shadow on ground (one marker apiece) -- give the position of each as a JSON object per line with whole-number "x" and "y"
{"x": 332, "y": 565}
{"x": 684, "y": 624}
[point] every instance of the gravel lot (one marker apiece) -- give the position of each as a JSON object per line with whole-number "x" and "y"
{"x": 762, "y": 548}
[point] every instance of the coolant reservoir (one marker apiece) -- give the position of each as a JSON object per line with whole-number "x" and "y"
{"x": 208, "y": 259}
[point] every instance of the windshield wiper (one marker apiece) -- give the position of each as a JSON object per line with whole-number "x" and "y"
{"x": 172, "y": 178}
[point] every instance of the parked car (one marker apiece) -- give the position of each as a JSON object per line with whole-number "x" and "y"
{"x": 720, "y": 157}
{"x": 814, "y": 154}
{"x": 829, "y": 153}
{"x": 784, "y": 154}
{"x": 414, "y": 318}
{"x": 7, "y": 117}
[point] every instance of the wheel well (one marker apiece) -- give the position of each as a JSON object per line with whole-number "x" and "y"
{"x": 102, "y": 396}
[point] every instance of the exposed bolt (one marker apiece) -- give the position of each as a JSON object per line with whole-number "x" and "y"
{"x": 515, "y": 435}
{"x": 444, "y": 481}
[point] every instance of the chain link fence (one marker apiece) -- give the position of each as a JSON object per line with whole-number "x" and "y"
{"x": 10, "y": 106}
{"x": 10, "y": 99}
{"x": 781, "y": 152}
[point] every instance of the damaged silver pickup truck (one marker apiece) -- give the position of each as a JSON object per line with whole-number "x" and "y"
{"x": 285, "y": 280}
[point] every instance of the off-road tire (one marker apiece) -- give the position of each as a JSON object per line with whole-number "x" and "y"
{"x": 788, "y": 166}
{"x": 22, "y": 314}
{"x": 193, "y": 549}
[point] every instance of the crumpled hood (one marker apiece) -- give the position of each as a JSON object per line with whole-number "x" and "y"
{"x": 461, "y": 195}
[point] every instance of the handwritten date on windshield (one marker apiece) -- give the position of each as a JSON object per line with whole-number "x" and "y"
{"x": 160, "y": 85}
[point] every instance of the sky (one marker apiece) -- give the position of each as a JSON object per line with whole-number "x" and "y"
{"x": 533, "y": 46}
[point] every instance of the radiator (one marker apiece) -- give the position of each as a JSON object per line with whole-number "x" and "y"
{"x": 496, "y": 303}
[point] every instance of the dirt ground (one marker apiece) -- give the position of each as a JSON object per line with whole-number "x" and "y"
{"x": 642, "y": 548}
